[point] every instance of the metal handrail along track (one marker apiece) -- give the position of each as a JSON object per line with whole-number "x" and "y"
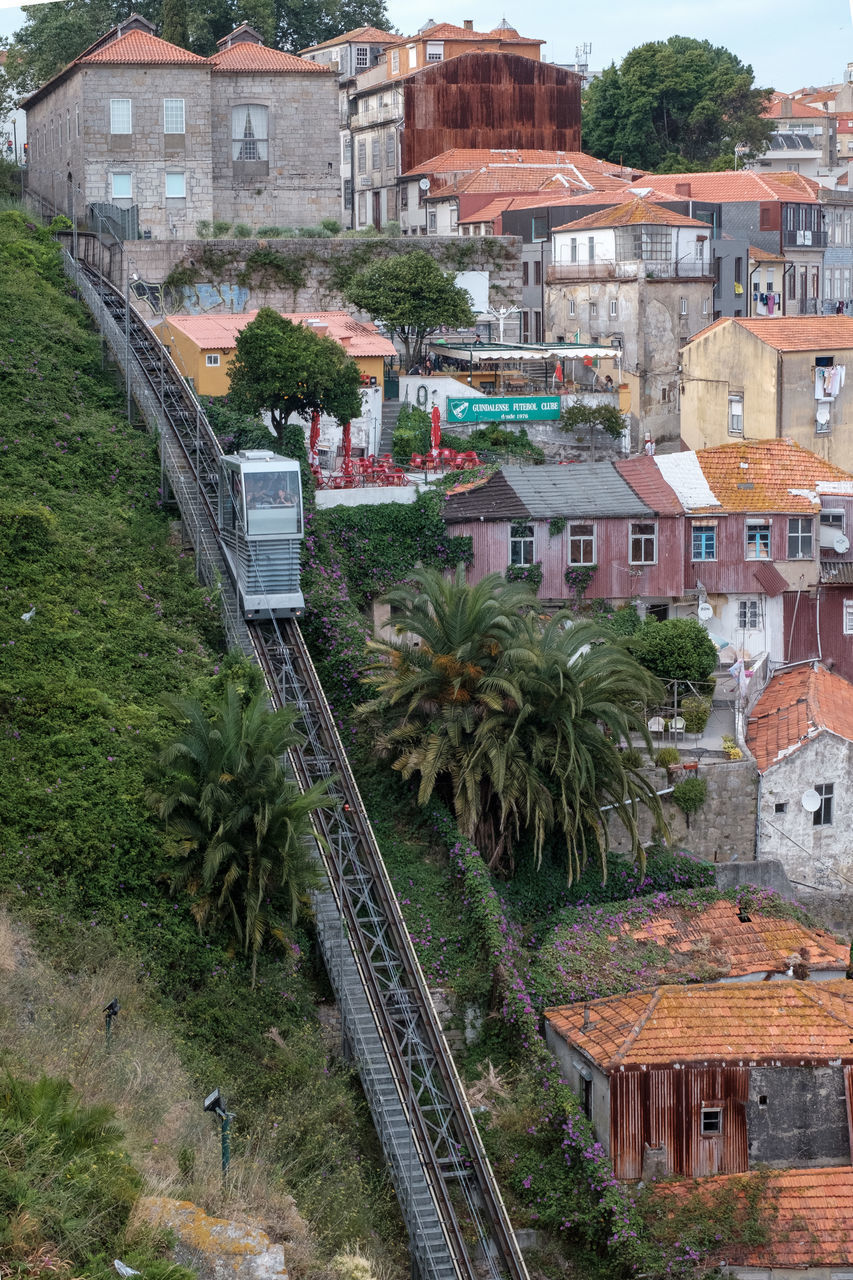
{"x": 421, "y": 1113}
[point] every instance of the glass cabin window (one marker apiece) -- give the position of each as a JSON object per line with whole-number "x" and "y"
{"x": 272, "y": 502}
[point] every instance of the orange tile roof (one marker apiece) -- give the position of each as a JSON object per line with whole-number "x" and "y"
{"x": 489, "y": 211}
{"x": 782, "y": 476}
{"x": 140, "y": 47}
{"x": 795, "y": 707}
{"x": 447, "y": 31}
{"x": 794, "y": 333}
{"x": 247, "y": 56}
{"x": 809, "y": 1213}
{"x": 762, "y": 255}
{"x": 363, "y": 35}
{"x": 637, "y": 211}
{"x": 219, "y": 332}
{"x": 727, "y": 1022}
{"x": 761, "y": 944}
{"x": 798, "y": 110}
{"x": 737, "y": 185}
{"x": 461, "y": 160}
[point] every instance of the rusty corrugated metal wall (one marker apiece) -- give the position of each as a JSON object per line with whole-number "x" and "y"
{"x": 663, "y": 1108}
{"x": 490, "y": 100}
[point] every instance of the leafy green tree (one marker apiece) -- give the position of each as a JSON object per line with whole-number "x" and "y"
{"x": 241, "y": 828}
{"x": 674, "y": 105}
{"x": 514, "y": 723}
{"x": 411, "y": 295}
{"x": 287, "y": 368}
{"x": 604, "y": 417}
{"x": 677, "y": 649}
{"x": 173, "y": 23}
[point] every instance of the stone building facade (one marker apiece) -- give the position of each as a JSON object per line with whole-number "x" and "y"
{"x": 143, "y": 126}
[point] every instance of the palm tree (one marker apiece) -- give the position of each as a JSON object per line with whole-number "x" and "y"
{"x": 242, "y": 829}
{"x": 515, "y": 722}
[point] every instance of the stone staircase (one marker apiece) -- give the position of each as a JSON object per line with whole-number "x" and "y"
{"x": 390, "y": 409}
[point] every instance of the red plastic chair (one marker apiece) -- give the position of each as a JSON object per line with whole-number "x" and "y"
{"x": 417, "y": 462}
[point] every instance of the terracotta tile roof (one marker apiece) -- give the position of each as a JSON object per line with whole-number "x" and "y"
{"x": 360, "y": 35}
{"x": 793, "y": 333}
{"x": 489, "y": 211}
{"x": 736, "y": 185}
{"x": 462, "y": 160}
{"x": 719, "y": 1022}
{"x": 798, "y": 110}
{"x": 247, "y": 56}
{"x": 809, "y": 1213}
{"x": 219, "y": 332}
{"x": 762, "y": 255}
{"x": 782, "y": 476}
{"x": 761, "y": 944}
{"x": 447, "y": 31}
{"x": 140, "y": 47}
{"x": 795, "y": 707}
{"x": 637, "y": 211}
{"x": 645, "y": 479}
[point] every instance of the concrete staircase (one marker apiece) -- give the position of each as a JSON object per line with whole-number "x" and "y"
{"x": 390, "y": 409}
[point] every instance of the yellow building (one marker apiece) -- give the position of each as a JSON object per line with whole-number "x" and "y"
{"x": 203, "y": 346}
{"x": 771, "y": 377}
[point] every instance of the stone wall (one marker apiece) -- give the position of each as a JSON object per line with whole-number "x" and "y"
{"x": 218, "y": 281}
{"x": 723, "y": 830}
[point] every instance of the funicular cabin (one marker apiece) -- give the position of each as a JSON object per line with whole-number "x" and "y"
{"x": 261, "y": 521}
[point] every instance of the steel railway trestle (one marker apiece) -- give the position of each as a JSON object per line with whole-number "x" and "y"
{"x": 457, "y": 1224}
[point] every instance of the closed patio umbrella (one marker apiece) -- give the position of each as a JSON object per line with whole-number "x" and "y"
{"x": 314, "y": 438}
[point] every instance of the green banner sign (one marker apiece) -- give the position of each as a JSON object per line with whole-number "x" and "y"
{"x": 502, "y": 409}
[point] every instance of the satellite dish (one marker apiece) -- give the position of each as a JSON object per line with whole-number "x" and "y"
{"x": 841, "y": 543}
{"x": 810, "y": 801}
{"x": 424, "y": 184}
{"x": 705, "y": 611}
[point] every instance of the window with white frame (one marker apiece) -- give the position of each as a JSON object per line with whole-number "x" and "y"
{"x": 249, "y": 132}
{"x": 573, "y": 249}
{"x": 347, "y": 144}
{"x": 362, "y": 56}
{"x": 614, "y": 308}
{"x": 749, "y": 615}
{"x": 571, "y": 306}
{"x": 736, "y": 415}
{"x": 682, "y": 306}
{"x": 800, "y": 538}
{"x": 121, "y": 186}
{"x": 704, "y": 542}
{"x": 521, "y": 544}
{"x": 593, "y": 310}
{"x": 211, "y": 359}
{"x": 757, "y": 540}
{"x": 435, "y": 50}
{"x": 395, "y": 62}
{"x": 590, "y": 248}
{"x": 822, "y": 816}
{"x": 432, "y": 220}
{"x": 643, "y": 542}
{"x": 390, "y": 149}
{"x": 120, "y": 115}
{"x": 832, "y": 520}
{"x": 176, "y": 186}
{"x": 847, "y": 620}
{"x": 581, "y": 544}
{"x": 711, "y": 1122}
{"x": 704, "y": 306}
{"x": 173, "y": 115}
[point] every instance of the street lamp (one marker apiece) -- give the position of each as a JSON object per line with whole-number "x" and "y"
{"x": 216, "y": 1103}
{"x": 131, "y": 275}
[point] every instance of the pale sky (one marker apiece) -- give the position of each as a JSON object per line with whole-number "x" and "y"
{"x": 788, "y": 42}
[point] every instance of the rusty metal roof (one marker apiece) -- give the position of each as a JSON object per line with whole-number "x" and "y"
{"x": 644, "y": 477}
{"x": 729, "y": 1023}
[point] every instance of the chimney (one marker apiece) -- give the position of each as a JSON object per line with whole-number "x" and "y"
{"x": 585, "y": 1016}
{"x": 786, "y": 108}
{"x": 468, "y": 24}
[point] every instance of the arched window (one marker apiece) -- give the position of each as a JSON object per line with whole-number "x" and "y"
{"x": 249, "y": 136}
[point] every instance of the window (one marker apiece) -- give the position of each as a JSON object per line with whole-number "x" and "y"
{"x": 537, "y": 272}
{"x": 848, "y": 617}
{"x": 395, "y": 62}
{"x": 390, "y": 150}
{"x": 571, "y": 306}
{"x": 614, "y": 308}
{"x": 736, "y": 415}
{"x": 375, "y": 162}
{"x": 833, "y": 520}
{"x": 573, "y": 249}
{"x": 749, "y": 615}
{"x": 682, "y": 306}
{"x": 77, "y": 119}
{"x": 800, "y": 538}
{"x": 525, "y": 273}
{"x": 362, "y": 57}
{"x": 586, "y": 1097}
{"x": 704, "y": 306}
{"x": 176, "y": 186}
{"x": 593, "y": 310}
{"x": 347, "y": 149}
{"x": 704, "y": 542}
{"x": 435, "y": 51}
{"x": 249, "y": 136}
{"x": 122, "y": 186}
{"x": 822, "y": 816}
{"x": 521, "y": 544}
{"x": 211, "y": 360}
{"x": 404, "y": 197}
{"x": 757, "y": 541}
{"x": 362, "y": 157}
{"x": 781, "y": 806}
{"x": 432, "y": 220}
{"x": 120, "y": 115}
{"x": 173, "y": 115}
{"x": 347, "y": 193}
{"x": 540, "y": 227}
{"x": 712, "y": 1121}
{"x": 643, "y": 543}
{"x": 581, "y": 544}
{"x": 590, "y": 253}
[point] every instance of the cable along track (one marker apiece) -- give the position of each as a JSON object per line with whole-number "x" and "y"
{"x": 457, "y": 1224}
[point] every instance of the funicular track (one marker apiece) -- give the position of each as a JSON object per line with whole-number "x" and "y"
{"x": 457, "y": 1224}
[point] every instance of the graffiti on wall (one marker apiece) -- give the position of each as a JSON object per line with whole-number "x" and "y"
{"x": 193, "y": 299}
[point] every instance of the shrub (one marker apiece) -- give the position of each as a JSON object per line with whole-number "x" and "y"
{"x": 241, "y": 231}
{"x": 491, "y": 437}
{"x": 695, "y": 712}
{"x": 220, "y": 228}
{"x": 204, "y": 229}
{"x": 411, "y": 434}
{"x": 667, "y": 756}
{"x": 731, "y": 750}
{"x": 529, "y": 573}
{"x": 690, "y": 795}
{"x": 678, "y": 649}
{"x": 631, "y": 756}
{"x": 270, "y": 233}
{"x": 332, "y": 226}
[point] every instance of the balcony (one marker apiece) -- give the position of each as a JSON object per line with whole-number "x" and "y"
{"x": 575, "y": 272}
{"x": 392, "y": 111}
{"x": 804, "y": 239}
